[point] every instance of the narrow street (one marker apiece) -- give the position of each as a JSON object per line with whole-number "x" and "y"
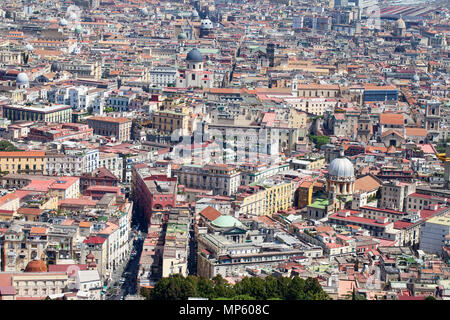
{"x": 123, "y": 281}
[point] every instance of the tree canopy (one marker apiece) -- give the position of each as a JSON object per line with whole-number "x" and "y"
{"x": 319, "y": 140}
{"x": 5, "y": 145}
{"x": 177, "y": 287}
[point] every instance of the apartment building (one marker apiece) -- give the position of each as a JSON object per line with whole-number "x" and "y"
{"x": 264, "y": 198}
{"x": 380, "y": 227}
{"x": 220, "y": 178}
{"x": 60, "y": 132}
{"x": 433, "y": 234}
{"x": 176, "y": 244}
{"x": 73, "y": 162}
{"x": 394, "y": 194}
{"x": 119, "y": 127}
{"x": 163, "y": 76}
{"x": 168, "y": 121}
{"x": 100, "y": 176}
{"x": 45, "y": 113}
{"x": 23, "y": 243}
{"x": 154, "y": 192}
{"x": 95, "y": 247}
{"x": 418, "y": 201}
{"x": 35, "y": 285}
{"x": 251, "y": 173}
{"x": 24, "y": 162}
{"x": 113, "y": 162}
{"x": 218, "y": 254}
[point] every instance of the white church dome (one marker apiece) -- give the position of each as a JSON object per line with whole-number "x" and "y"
{"x": 341, "y": 168}
{"x": 22, "y": 79}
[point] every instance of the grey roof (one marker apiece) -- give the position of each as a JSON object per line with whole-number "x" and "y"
{"x": 341, "y": 167}
{"x": 88, "y": 275}
{"x": 22, "y": 78}
{"x": 194, "y": 56}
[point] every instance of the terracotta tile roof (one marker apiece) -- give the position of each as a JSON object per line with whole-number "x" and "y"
{"x": 210, "y": 213}
{"x": 85, "y": 224}
{"x": 366, "y": 183}
{"x": 6, "y": 198}
{"x": 33, "y": 211}
{"x": 38, "y": 230}
{"x": 110, "y": 119}
{"x": 67, "y": 222}
{"x": 391, "y": 131}
{"x": 392, "y": 118}
{"x": 418, "y": 132}
{"x": 21, "y": 154}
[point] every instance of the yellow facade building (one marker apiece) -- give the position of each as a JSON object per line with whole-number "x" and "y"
{"x": 304, "y": 194}
{"x": 167, "y": 121}
{"x": 26, "y": 162}
{"x": 271, "y": 197}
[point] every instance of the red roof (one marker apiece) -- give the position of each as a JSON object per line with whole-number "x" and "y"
{"x": 70, "y": 268}
{"x": 402, "y": 224}
{"x": 210, "y": 213}
{"x": 392, "y": 118}
{"x": 94, "y": 240}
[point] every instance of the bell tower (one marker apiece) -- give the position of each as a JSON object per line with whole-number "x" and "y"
{"x": 364, "y": 131}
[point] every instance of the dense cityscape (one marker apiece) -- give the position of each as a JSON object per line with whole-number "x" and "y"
{"x": 213, "y": 150}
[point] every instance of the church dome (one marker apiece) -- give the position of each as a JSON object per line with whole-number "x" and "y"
{"x": 56, "y": 67}
{"x": 206, "y": 24}
{"x": 194, "y": 56}
{"x": 63, "y": 22}
{"x": 182, "y": 36}
{"x": 227, "y": 222}
{"x": 144, "y": 11}
{"x": 29, "y": 47}
{"x": 78, "y": 29}
{"x": 22, "y": 78}
{"x": 36, "y": 266}
{"x": 400, "y": 24}
{"x": 341, "y": 168}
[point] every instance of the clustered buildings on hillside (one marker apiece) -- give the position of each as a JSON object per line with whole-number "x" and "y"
{"x": 280, "y": 138}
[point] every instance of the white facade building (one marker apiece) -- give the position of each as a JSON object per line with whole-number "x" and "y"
{"x": 433, "y": 232}
{"x": 163, "y": 76}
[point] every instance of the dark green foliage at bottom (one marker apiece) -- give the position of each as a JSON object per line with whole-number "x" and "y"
{"x": 177, "y": 287}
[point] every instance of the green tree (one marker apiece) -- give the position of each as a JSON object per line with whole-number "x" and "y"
{"x": 8, "y": 15}
{"x": 222, "y": 288}
{"x": 355, "y": 296}
{"x": 244, "y": 297}
{"x": 296, "y": 289}
{"x": 271, "y": 288}
{"x": 430, "y": 298}
{"x": 313, "y": 290}
{"x": 253, "y": 286}
{"x": 205, "y": 288}
{"x": 175, "y": 287}
{"x": 283, "y": 284}
{"x": 319, "y": 140}
{"x": 5, "y": 145}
